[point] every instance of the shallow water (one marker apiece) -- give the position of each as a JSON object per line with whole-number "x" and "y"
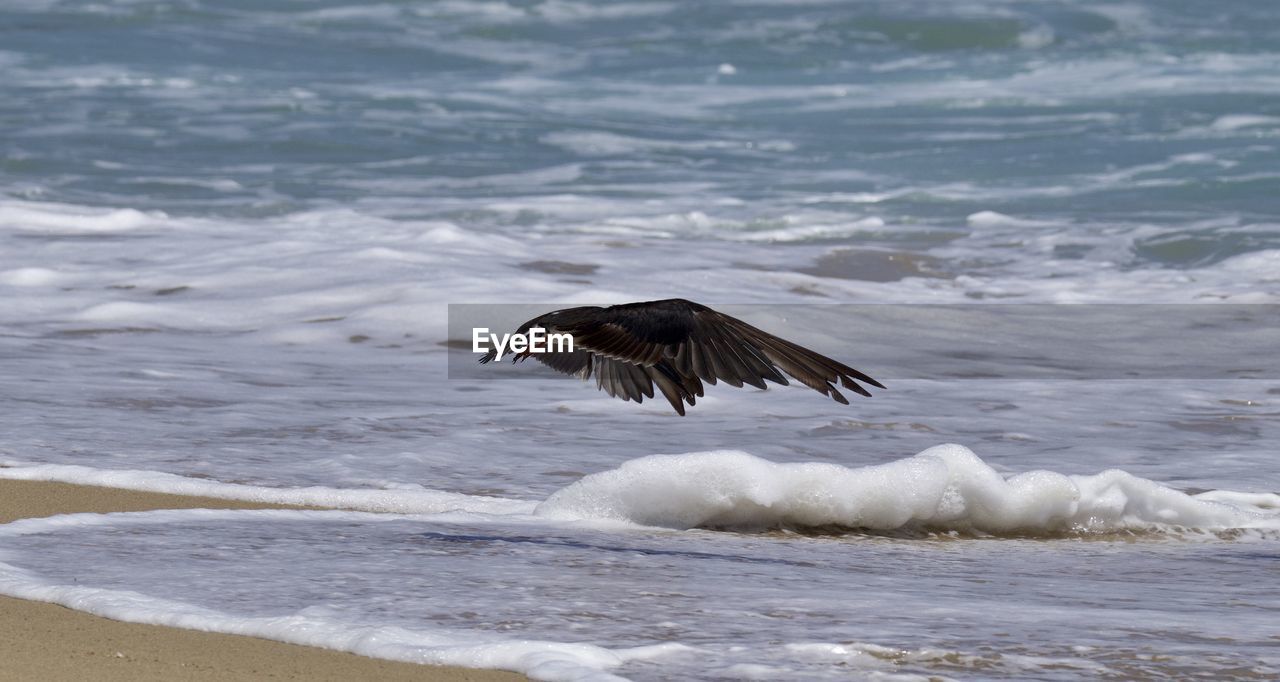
{"x": 230, "y": 235}
{"x": 745, "y": 605}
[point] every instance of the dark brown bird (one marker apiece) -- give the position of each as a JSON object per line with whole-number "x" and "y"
{"x": 677, "y": 345}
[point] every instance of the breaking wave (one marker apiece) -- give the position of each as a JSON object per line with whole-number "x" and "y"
{"x": 946, "y": 488}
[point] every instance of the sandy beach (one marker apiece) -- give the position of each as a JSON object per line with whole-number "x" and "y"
{"x": 50, "y": 642}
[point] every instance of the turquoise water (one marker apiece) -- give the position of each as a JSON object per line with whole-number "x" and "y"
{"x": 1100, "y": 117}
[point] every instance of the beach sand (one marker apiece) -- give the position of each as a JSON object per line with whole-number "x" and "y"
{"x": 50, "y": 642}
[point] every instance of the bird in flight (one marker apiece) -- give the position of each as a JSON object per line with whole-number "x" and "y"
{"x": 676, "y": 345}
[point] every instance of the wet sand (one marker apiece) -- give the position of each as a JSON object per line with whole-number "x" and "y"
{"x": 50, "y": 642}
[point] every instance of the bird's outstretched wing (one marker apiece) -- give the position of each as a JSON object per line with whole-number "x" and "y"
{"x": 676, "y": 345}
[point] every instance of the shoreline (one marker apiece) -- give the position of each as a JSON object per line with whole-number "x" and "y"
{"x": 51, "y": 642}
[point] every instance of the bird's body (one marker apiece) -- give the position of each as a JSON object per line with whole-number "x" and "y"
{"x": 676, "y": 345}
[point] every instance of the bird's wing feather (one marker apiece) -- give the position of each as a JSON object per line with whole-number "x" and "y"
{"x": 812, "y": 365}
{"x": 673, "y": 391}
{"x": 623, "y": 380}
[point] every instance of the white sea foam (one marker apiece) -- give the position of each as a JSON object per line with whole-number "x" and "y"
{"x": 544, "y": 660}
{"x": 412, "y": 501}
{"x": 1036, "y": 37}
{"x": 68, "y": 219}
{"x": 867, "y": 656}
{"x": 569, "y": 11}
{"x": 32, "y": 277}
{"x": 946, "y": 487}
{"x": 1234, "y": 122}
{"x": 996, "y": 219}
{"x": 805, "y": 231}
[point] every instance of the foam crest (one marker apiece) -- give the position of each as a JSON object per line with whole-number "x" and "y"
{"x": 1233, "y": 122}
{"x": 31, "y": 277}
{"x": 66, "y": 219}
{"x": 946, "y": 487}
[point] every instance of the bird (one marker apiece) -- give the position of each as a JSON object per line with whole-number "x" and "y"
{"x": 677, "y": 345}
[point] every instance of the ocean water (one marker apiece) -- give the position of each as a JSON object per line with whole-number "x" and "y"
{"x": 233, "y": 236}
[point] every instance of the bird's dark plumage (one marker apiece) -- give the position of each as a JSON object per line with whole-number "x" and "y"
{"x": 676, "y": 345}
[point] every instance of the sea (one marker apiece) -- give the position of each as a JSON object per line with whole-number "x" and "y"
{"x": 243, "y": 244}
